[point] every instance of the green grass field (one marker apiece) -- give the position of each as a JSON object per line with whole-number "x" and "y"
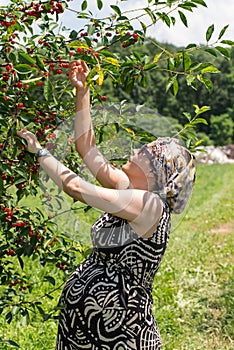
{"x": 194, "y": 288}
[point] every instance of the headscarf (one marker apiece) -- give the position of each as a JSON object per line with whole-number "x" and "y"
{"x": 174, "y": 171}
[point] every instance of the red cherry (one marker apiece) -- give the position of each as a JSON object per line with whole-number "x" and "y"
{"x": 40, "y": 83}
{"x": 21, "y": 186}
{"x": 19, "y": 85}
{"x": 103, "y": 98}
{"x": 11, "y": 252}
{"x": 20, "y": 105}
{"x": 59, "y": 71}
{"x": 8, "y": 67}
{"x": 5, "y": 77}
{"x": 79, "y": 50}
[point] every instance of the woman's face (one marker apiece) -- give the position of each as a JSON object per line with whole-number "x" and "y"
{"x": 139, "y": 170}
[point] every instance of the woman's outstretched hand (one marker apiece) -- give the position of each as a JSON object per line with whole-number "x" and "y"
{"x": 33, "y": 143}
{"x": 78, "y": 72}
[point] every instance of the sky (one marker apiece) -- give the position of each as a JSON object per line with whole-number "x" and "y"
{"x": 216, "y": 13}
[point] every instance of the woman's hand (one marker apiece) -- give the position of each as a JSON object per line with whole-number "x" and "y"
{"x": 33, "y": 143}
{"x": 78, "y": 72}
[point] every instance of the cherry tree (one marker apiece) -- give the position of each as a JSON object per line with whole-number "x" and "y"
{"x": 35, "y": 93}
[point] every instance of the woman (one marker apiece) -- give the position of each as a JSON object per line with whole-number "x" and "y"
{"x": 107, "y": 303}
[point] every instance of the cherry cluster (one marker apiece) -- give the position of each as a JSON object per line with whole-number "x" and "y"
{"x": 62, "y": 265}
{"x": 20, "y": 283}
{"x": 8, "y": 21}
{"x": 37, "y": 9}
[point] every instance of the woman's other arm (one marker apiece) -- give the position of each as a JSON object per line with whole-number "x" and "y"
{"x": 141, "y": 208}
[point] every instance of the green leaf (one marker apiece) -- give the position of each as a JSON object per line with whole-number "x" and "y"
{"x": 200, "y": 110}
{"x": 24, "y": 68}
{"x": 73, "y": 34}
{"x": 200, "y": 2}
{"x": 175, "y": 87}
{"x": 21, "y": 262}
{"x": 48, "y": 89}
{"x": 11, "y": 342}
{"x": 112, "y": 61}
{"x": 26, "y": 81}
{"x": 224, "y": 52}
{"x": 40, "y": 63}
{"x": 157, "y": 57}
{"x": 26, "y": 58}
{"x": 8, "y": 317}
{"x": 76, "y": 43}
{"x": 200, "y": 120}
{"x": 186, "y": 61}
{"x": 144, "y": 27}
{"x": 227, "y": 42}
{"x": 210, "y": 69}
{"x": 151, "y": 14}
{"x": 211, "y": 52}
{"x": 197, "y": 67}
{"x": 84, "y": 5}
{"x": 171, "y": 63}
{"x": 222, "y": 32}
{"x": 209, "y": 32}
{"x": 171, "y": 82}
{"x": 150, "y": 66}
{"x": 166, "y": 19}
{"x": 116, "y": 9}
{"x": 183, "y": 18}
{"x": 207, "y": 82}
{"x": 190, "y": 80}
{"x": 50, "y": 279}
{"x": 99, "y": 4}
{"x": 187, "y": 115}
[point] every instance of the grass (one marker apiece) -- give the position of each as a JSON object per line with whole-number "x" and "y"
{"x": 193, "y": 290}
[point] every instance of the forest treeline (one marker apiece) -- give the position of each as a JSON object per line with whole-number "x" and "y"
{"x": 220, "y": 118}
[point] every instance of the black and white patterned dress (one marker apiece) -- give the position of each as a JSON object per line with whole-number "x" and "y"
{"x": 107, "y": 302}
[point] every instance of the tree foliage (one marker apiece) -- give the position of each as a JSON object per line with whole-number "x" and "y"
{"x": 35, "y": 93}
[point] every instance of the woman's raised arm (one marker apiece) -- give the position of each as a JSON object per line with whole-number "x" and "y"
{"x": 85, "y": 141}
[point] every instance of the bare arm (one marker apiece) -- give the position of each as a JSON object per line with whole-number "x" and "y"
{"x": 141, "y": 208}
{"x": 85, "y": 141}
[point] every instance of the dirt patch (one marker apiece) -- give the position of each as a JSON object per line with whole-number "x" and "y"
{"x": 223, "y": 229}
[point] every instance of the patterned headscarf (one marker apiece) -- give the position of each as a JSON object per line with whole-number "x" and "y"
{"x": 174, "y": 171}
